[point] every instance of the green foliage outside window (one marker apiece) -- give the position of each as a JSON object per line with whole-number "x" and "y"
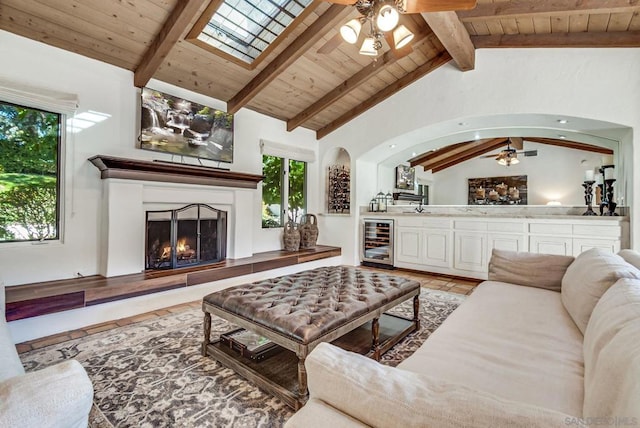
{"x": 275, "y": 181}
{"x": 29, "y": 140}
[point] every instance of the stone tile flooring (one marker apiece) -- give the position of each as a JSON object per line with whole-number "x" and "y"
{"x": 427, "y": 280}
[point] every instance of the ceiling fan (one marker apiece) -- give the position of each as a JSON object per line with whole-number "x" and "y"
{"x": 381, "y": 19}
{"x": 509, "y": 156}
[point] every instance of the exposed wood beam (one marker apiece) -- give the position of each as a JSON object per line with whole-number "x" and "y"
{"x": 454, "y": 37}
{"x": 434, "y": 158}
{"x": 431, "y": 154}
{"x": 288, "y": 56}
{"x": 435, "y": 62}
{"x": 490, "y": 145}
{"x": 615, "y": 39}
{"x": 175, "y": 25}
{"x": 353, "y": 82}
{"x": 570, "y": 145}
{"x": 532, "y": 8}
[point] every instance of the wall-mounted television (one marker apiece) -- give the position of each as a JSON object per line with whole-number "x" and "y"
{"x": 184, "y": 128}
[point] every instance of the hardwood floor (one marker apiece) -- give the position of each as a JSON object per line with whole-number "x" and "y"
{"x": 427, "y": 280}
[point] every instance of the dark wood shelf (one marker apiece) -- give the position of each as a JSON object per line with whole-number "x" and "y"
{"x": 30, "y": 300}
{"x": 134, "y": 169}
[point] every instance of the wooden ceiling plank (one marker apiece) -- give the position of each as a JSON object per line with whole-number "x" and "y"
{"x": 619, "y": 21}
{"x": 491, "y": 145}
{"x": 598, "y": 23}
{"x": 570, "y": 145}
{"x": 515, "y": 9}
{"x": 481, "y": 28}
{"x": 495, "y": 26}
{"x": 423, "y": 70}
{"x": 628, "y": 39}
{"x": 634, "y": 25}
{"x": 454, "y": 37}
{"x": 348, "y": 85}
{"x": 509, "y": 26}
{"x": 560, "y": 24}
{"x": 65, "y": 38}
{"x": 179, "y": 19}
{"x": 542, "y": 24}
{"x": 288, "y": 56}
{"x": 578, "y": 23}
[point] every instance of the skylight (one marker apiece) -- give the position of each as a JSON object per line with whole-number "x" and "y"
{"x": 245, "y": 28}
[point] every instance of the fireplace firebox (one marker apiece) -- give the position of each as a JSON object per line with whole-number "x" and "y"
{"x": 192, "y": 235}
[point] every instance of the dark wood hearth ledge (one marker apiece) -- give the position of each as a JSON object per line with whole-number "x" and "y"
{"x": 30, "y": 300}
{"x": 134, "y": 169}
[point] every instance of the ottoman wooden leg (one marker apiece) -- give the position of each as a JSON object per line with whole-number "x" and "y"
{"x": 375, "y": 336}
{"x": 302, "y": 378}
{"x": 207, "y": 333}
{"x": 416, "y": 311}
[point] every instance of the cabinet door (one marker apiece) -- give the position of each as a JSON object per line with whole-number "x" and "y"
{"x": 436, "y": 247}
{"x": 470, "y": 251}
{"x": 505, "y": 242}
{"x": 583, "y": 244}
{"x": 551, "y": 245}
{"x": 408, "y": 243}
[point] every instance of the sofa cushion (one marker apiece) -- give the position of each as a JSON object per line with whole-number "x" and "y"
{"x": 383, "y": 396}
{"x": 515, "y": 342}
{"x": 630, "y": 256}
{"x": 318, "y": 413}
{"x": 612, "y": 354}
{"x": 529, "y": 269}
{"x": 587, "y": 279}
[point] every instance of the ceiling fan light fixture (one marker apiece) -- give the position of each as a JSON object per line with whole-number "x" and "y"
{"x": 402, "y": 36}
{"x": 514, "y": 160}
{"x": 351, "y": 30}
{"x": 369, "y": 47}
{"x": 387, "y": 17}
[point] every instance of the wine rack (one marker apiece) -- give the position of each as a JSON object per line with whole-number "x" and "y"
{"x": 377, "y": 245}
{"x": 339, "y": 189}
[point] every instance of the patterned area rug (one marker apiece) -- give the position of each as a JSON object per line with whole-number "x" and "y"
{"x": 151, "y": 374}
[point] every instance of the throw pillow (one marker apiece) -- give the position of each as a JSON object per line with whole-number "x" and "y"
{"x": 586, "y": 280}
{"x": 528, "y": 269}
{"x": 631, "y": 257}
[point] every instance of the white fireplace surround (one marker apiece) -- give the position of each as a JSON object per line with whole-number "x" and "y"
{"x": 125, "y": 203}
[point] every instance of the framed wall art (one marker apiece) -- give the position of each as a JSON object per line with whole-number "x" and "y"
{"x": 498, "y": 190}
{"x": 405, "y": 177}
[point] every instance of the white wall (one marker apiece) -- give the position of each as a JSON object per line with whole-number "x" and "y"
{"x": 596, "y": 84}
{"x": 108, "y": 89}
{"x": 555, "y": 174}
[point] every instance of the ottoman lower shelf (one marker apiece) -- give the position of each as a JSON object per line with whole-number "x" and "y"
{"x": 278, "y": 374}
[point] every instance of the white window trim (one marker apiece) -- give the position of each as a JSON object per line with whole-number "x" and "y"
{"x": 280, "y": 150}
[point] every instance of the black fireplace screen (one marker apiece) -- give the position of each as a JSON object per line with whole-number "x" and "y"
{"x": 192, "y": 235}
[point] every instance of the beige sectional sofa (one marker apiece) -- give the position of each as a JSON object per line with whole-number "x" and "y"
{"x": 547, "y": 341}
{"x": 58, "y": 396}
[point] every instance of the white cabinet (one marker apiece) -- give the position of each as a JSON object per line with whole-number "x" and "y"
{"x": 470, "y": 251}
{"x": 551, "y": 245}
{"x": 462, "y": 245}
{"x": 408, "y": 244}
{"x": 437, "y": 247}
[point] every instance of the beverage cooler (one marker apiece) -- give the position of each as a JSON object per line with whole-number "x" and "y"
{"x": 377, "y": 242}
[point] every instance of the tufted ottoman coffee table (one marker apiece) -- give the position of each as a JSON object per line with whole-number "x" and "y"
{"x": 339, "y": 304}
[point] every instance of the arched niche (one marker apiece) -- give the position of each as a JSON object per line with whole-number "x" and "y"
{"x": 336, "y": 165}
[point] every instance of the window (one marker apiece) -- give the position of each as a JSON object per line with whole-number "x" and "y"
{"x": 245, "y": 28}
{"x": 29, "y": 173}
{"x": 285, "y": 180}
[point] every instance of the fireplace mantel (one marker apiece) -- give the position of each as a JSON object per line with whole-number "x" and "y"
{"x": 134, "y": 169}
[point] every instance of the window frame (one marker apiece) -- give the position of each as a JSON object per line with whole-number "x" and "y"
{"x": 60, "y": 174}
{"x": 284, "y": 189}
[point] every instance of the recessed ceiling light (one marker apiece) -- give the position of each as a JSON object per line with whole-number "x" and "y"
{"x": 563, "y": 121}
{"x": 562, "y": 137}
{"x": 392, "y": 146}
{"x": 413, "y": 154}
{"x": 462, "y": 123}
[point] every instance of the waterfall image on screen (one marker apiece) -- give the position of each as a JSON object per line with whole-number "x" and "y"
{"x": 180, "y": 127}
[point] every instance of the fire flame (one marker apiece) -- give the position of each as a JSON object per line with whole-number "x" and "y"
{"x": 181, "y": 246}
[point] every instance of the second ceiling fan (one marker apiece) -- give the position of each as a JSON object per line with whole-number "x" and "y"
{"x": 509, "y": 156}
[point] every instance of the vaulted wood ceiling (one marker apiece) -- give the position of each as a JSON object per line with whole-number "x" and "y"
{"x": 310, "y": 78}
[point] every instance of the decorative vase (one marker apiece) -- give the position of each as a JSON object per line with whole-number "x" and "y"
{"x": 308, "y": 231}
{"x": 291, "y": 237}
